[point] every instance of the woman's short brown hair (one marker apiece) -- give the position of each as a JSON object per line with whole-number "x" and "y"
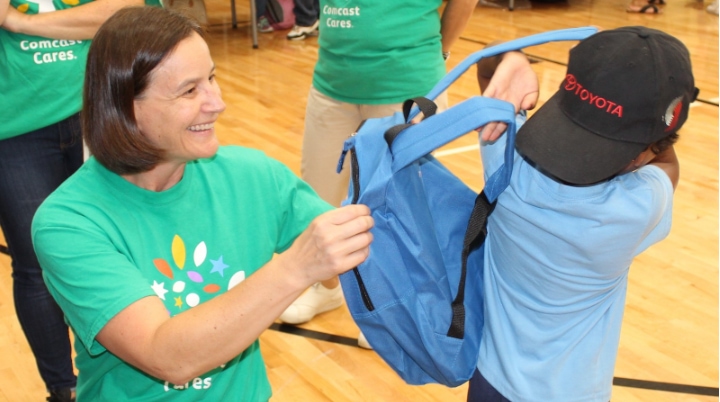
{"x": 122, "y": 56}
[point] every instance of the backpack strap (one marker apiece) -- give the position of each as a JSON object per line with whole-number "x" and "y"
{"x": 532, "y": 40}
{"x": 420, "y": 139}
{"x": 427, "y": 107}
{"x": 474, "y": 237}
{"x": 476, "y": 230}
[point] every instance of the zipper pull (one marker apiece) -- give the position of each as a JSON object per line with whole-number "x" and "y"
{"x": 347, "y": 146}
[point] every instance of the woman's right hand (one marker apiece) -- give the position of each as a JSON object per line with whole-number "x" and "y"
{"x": 333, "y": 243}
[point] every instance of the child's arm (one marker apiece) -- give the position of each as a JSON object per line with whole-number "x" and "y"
{"x": 4, "y": 5}
{"x": 668, "y": 162}
{"x": 78, "y": 23}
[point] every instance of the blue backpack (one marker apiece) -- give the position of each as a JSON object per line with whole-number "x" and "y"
{"x": 418, "y": 298}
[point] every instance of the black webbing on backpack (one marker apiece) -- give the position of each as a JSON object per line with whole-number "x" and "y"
{"x": 427, "y": 107}
{"x": 474, "y": 238}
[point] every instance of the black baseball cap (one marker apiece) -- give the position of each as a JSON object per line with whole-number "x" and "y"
{"x": 625, "y": 89}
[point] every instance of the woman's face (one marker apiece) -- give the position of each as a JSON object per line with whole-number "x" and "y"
{"x": 178, "y": 110}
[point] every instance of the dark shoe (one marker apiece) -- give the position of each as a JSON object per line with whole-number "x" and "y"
{"x": 62, "y": 395}
{"x": 646, "y": 9}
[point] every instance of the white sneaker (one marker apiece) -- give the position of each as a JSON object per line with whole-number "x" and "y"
{"x": 362, "y": 341}
{"x": 317, "y": 299}
{"x": 299, "y": 32}
{"x": 713, "y": 8}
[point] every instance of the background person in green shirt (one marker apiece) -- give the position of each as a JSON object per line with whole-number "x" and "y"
{"x": 43, "y": 46}
{"x": 373, "y": 55}
{"x": 169, "y": 254}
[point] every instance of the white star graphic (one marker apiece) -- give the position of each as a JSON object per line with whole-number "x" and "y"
{"x": 159, "y": 289}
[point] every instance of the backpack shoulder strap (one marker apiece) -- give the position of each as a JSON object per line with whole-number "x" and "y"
{"x": 532, "y": 40}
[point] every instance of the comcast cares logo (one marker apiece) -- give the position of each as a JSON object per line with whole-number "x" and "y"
{"x": 189, "y": 286}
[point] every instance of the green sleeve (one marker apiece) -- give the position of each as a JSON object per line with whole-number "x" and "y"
{"x": 298, "y": 201}
{"x": 86, "y": 273}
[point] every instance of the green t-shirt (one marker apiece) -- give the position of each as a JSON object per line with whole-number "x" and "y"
{"x": 42, "y": 78}
{"x": 378, "y": 52}
{"x": 105, "y": 243}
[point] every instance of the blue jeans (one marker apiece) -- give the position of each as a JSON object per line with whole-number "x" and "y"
{"x": 33, "y": 165}
{"x": 306, "y": 12}
{"x": 260, "y": 8}
{"x": 481, "y": 391}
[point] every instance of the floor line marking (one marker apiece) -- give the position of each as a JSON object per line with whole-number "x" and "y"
{"x": 453, "y": 151}
{"x": 617, "y": 381}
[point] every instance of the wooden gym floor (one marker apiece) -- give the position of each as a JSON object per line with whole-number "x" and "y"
{"x": 669, "y": 343}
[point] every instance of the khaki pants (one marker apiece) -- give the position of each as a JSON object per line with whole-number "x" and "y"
{"x": 328, "y": 123}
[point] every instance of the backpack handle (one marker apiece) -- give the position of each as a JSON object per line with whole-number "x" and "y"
{"x": 421, "y": 139}
{"x": 532, "y": 40}
{"x": 418, "y": 140}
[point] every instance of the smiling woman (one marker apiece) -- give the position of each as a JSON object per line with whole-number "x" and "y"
{"x": 174, "y": 116}
{"x": 118, "y": 85}
{"x": 160, "y": 249}
{"x": 177, "y": 112}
